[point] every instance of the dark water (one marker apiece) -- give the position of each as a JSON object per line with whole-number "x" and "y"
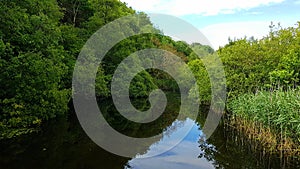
{"x": 62, "y": 144}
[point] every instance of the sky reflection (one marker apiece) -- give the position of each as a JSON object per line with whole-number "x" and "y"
{"x": 184, "y": 155}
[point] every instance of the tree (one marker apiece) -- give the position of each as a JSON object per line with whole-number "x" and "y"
{"x": 32, "y": 68}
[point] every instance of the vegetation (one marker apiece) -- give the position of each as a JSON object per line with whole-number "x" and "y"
{"x": 32, "y": 65}
{"x": 40, "y": 41}
{"x": 266, "y": 64}
{"x": 39, "y": 44}
{"x": 277, "y": 112}
{"x": 262, "y": 79}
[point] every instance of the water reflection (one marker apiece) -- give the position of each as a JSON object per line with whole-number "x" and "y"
{"x": 62, "y": 144}
{"x": 184, "y": 155}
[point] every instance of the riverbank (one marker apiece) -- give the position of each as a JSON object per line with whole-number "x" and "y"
{"x": 271, "y": 120}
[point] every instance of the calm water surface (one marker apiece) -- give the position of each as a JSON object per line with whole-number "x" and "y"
{"x": 63, "y": 144}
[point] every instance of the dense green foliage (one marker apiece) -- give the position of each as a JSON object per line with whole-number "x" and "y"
{"x": 40, "y": 41}
{"x": 263, "y": 79}
{"x": 39, "y": 44}
{"x": 261, "y": 76}
{"x": 268, "y": 63}
{"x": 32, "y": 65}
{"x": 278, "y": 110}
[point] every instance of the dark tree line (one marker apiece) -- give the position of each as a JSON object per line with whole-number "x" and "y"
{"x": 39, "y": 44}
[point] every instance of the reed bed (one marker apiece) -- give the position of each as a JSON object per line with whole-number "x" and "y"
{"x": 270, "y": 118}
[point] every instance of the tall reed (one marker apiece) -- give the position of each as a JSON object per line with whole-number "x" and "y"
{"x": 275, "y": 111}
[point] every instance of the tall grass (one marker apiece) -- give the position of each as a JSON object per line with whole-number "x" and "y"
{"x": 277, "y": 110}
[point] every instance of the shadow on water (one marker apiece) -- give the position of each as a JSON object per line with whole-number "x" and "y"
{"x": 62, "y": 144}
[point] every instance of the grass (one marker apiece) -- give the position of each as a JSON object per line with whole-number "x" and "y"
{"x": 274, "y": 113}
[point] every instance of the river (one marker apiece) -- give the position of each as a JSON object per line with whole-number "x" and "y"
{"x": 62, "y": 144}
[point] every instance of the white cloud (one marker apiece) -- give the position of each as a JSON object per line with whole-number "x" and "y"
{"x": 202, "y": 7}
{"x": 297, "y": 2}
{"x": 218, "y": 34}
{"x": 254, "y": 13}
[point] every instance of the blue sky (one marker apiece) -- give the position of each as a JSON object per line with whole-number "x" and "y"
{"x": 220, "y": 19}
